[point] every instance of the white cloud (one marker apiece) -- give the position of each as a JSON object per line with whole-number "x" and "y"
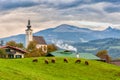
{"x": 43, "y": 16}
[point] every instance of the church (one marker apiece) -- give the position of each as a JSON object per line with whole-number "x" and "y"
{"x": 41, "y": 43}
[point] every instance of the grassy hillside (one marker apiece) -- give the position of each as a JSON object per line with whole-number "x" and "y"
{"x": 25, "y": 69}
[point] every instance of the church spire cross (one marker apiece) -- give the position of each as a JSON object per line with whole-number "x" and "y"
{"x": 28, "y": 22}
{"x": 28, "y": 26}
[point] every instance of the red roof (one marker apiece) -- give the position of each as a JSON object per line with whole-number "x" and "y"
{"x": 14, "y": 48}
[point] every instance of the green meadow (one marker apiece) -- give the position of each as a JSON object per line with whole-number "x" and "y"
{"x": 25, "y": 69}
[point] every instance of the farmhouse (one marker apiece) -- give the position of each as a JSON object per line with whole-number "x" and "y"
{"x": 66, "y": 53}
{"x": 13, "y": 52}
{"x": 41, "y": 43}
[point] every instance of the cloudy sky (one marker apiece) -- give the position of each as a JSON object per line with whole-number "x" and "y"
{"x": 93, "y": 14}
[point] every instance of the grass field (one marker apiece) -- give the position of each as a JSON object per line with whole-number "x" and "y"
{"x": 25, "y": 69}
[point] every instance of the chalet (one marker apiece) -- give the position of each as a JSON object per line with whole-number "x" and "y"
{"x": 13, "y": 52}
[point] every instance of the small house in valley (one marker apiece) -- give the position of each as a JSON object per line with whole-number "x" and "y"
{"x": 12, "y": 52}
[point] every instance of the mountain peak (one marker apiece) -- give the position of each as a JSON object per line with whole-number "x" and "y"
{"x": 109, "y": 28}
{"x": 66, "y": 26}
{"x": 70, "y": 28}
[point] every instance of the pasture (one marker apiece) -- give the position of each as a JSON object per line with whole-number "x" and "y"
{"x": 26, "y": 69}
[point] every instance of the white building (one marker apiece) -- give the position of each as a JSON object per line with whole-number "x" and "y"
{"x": 12, "y": 52}
{"x": 29, "y": 35}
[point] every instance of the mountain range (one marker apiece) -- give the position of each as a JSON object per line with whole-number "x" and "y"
{"x": 69, "y": 33}
{"x": 73, "y": 35}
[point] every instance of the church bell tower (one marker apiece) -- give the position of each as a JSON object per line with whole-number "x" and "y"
{"x": 29, "y": 35}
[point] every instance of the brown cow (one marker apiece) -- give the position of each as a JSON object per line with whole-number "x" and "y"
{"x": 53, "y": 60}
{"x": 35, "y": 60}
{"x": 65, "y": 60}
{"x": 86, "y": 63}
{"x": 78, "y": 61}
{"x": 46, "y": 61}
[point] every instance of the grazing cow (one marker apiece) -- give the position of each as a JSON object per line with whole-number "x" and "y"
{"x": 86, "y": 63}
{"x": 65, "y": 60}
{"x": 53, "y": 60}
{"x": 78, "y": 61}
{"x": 35, "y": 60}
{"x": 46, "y": 61}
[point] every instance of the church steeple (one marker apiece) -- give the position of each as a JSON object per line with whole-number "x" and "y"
{"x": 28, "y": 26}
{"x": 29, "y": 35}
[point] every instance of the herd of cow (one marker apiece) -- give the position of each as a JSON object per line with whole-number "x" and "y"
{"x": 53, "y": 60}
